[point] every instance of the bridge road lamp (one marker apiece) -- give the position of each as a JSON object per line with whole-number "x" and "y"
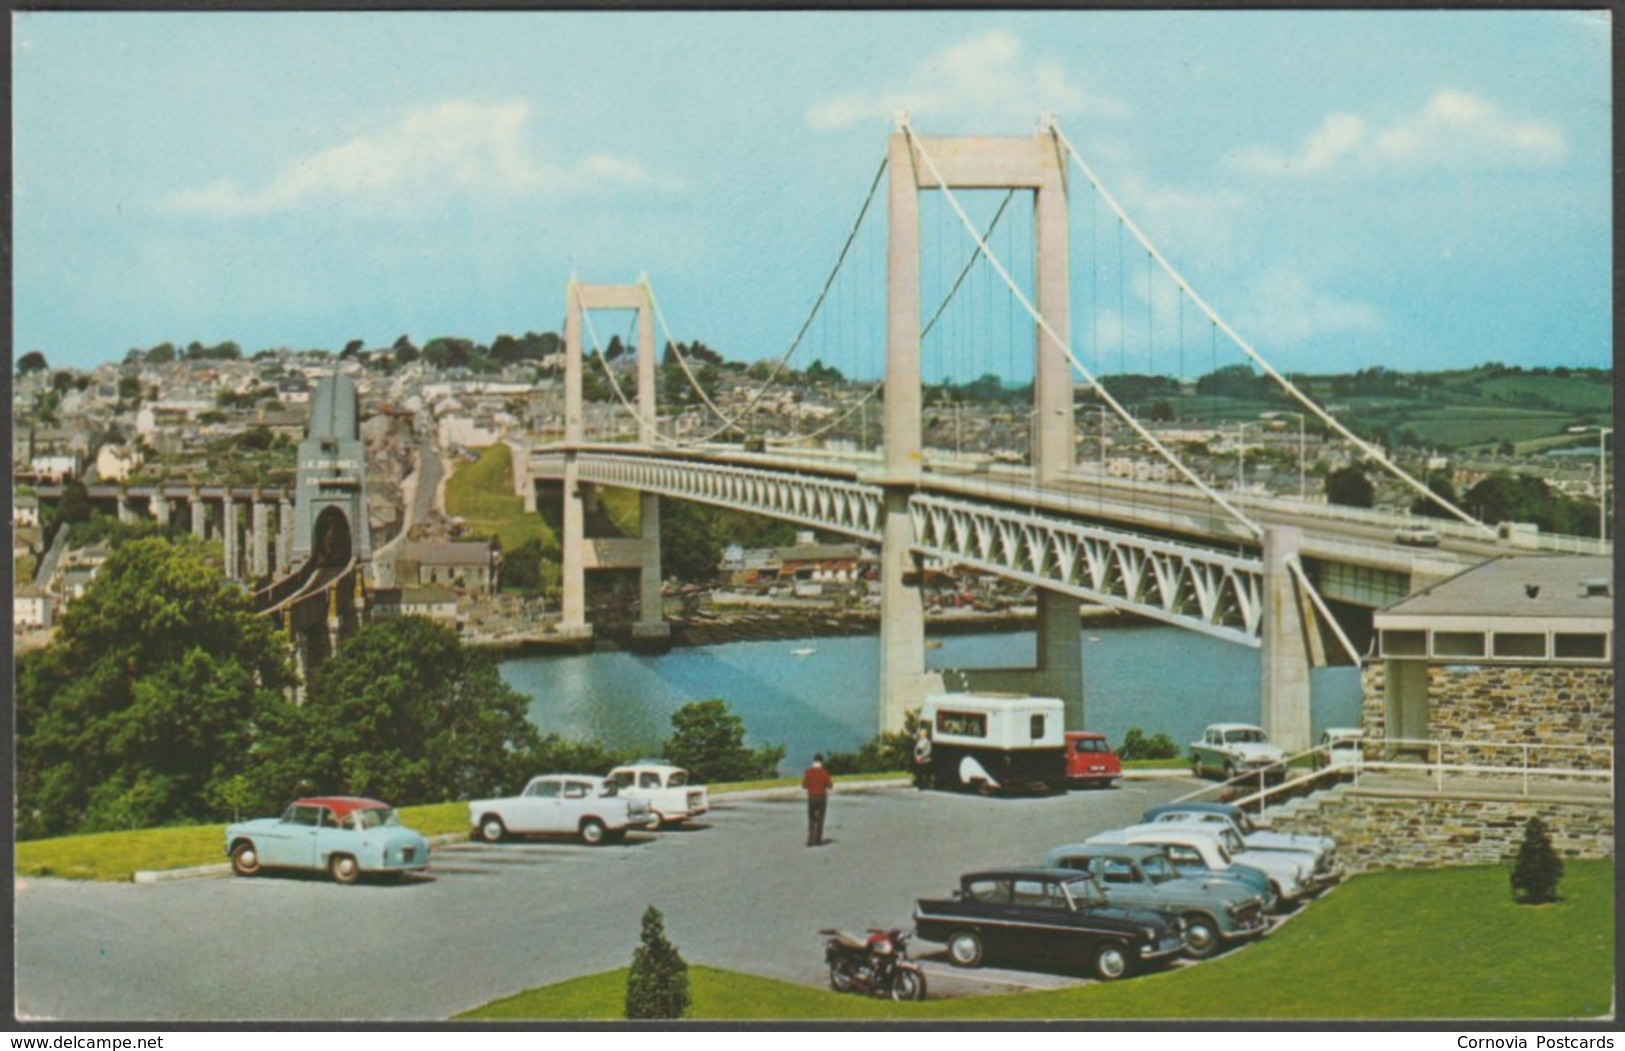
{"x": 1303, "y": 472}
{"x": 1241, "y": 452}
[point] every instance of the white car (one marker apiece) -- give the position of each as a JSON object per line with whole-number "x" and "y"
{"x": 1234, "y": 749}
{"x": 672, "y": 800}
{"x": 1321, "y": 850}
{"x": 1342, "y": 748}
{"x": 1291, "y": 872}
{"x": 1416, "y": 536}
{"x": 582, "y": 805}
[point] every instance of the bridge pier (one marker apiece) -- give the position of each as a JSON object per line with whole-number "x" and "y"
{"x": 651, "y": 629}
{"x": 284, "y": 534}
{"x": 126, "y": 512}
{"x": 161, "y": 508}
{"x": 1286, "y": 644}
{"x": 904, "y": 681}
{"x": 229, "y": 532}
{"x": 258, "y": 562}
{"x": 200, "y": 524}
{"x": 1058, "y": 670}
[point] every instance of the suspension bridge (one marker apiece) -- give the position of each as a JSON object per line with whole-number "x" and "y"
{"x": 1276, "y": 574}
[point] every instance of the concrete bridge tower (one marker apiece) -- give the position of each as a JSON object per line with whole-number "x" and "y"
{"x": 579, "y": 552}
{"x": 1036, "y": 164}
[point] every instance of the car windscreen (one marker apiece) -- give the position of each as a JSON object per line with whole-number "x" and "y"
{"x": 678, "y": 779}
{"x": 1244, "y": 736}
{"x": 623, "y": 778}
{"x": 608, "y": 788}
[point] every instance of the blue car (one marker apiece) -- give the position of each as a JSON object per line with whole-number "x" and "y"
{"x": 344, "y": 836}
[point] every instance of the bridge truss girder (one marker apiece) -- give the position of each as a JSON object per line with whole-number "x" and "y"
{"x": 1199, "y": 589}
{"x": 1202, "y": 590}
{"x": 835, "y": 504}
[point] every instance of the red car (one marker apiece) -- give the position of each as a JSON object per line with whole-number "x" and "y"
{"x": 1091, "y": 761}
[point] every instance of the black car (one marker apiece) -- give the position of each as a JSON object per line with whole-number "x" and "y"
{"x": 1049, "y": 915}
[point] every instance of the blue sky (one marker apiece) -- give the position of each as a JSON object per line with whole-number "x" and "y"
{"x": 1414, "y": 190}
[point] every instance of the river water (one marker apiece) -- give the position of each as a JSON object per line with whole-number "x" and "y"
{"x": 1161, "y": 679}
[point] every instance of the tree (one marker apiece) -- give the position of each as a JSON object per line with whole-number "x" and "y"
{"x": 351, "y": 349}
{"x": 1136, "y": 745}
{"x": 709, "y": 739}
{"x": 522, "y": 567}
{"x": 403, "y": 712}
{"x": 150, "y": 695}
{"x": 405, "y": 351}
{"x": 657, "y": 983}
{"x": 62, "y": 381}
{"x": 1441, "y": 486}
{"x": 33, "y": 361}
{"x": 1350, "y": 487}
{"x": 1537, "y": 870}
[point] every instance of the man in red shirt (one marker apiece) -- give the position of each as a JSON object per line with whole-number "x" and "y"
{"x": 817, "y": 784}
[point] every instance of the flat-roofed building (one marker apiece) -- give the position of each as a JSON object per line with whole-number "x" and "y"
{"x": 1515, "y": 651}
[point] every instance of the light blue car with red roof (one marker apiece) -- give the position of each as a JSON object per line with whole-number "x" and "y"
{"x": 345, "y": 836}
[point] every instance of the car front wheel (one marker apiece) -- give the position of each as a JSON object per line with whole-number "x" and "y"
{"x": 1111, "y": 961}
{"x": 492, "y": 830}
{"x": 593, "y": 832}
{"x": 343, "y": 868}
{"x": 1201, "y": 937}
{"x": 245, "y": 860}
{"x": 965, "y": 949}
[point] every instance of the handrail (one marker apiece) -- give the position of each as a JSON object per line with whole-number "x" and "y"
{"x": 1434, "y": 765}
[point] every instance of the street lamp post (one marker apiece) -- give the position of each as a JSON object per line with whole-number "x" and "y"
{"x": 1241, "y": 454}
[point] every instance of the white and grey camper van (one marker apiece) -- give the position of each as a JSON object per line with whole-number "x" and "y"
{"x": 992, "y": 740}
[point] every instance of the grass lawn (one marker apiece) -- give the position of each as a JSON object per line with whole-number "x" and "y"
{"x": 1437, "y": 943}
{"x": 118, "y": 856}
{"x": 482, "y": 493}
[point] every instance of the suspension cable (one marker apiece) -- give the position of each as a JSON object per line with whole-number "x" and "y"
{"x": 1303, "y": 399}
{"x": 1104, "y": 394}
{"x": 730, "y": 423}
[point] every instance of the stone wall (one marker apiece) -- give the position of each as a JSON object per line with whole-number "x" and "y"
{"x": 1378, "y": 832}
{"x": 1551, "y": 704}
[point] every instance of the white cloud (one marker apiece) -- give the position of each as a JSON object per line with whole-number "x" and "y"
{"x": 983, "y": 80}
{"x": 1454, "y": 129}
{"x": 435, "y": 153}
{"x": 1286, "y": 309}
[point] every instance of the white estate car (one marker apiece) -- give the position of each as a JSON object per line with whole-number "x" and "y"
{"x": 582, "y": 805}
{"x": 1234, "y": 749}
{"x": 665, "y": 788}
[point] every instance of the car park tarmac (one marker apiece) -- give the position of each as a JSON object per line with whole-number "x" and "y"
{"x": 738, "y": 890}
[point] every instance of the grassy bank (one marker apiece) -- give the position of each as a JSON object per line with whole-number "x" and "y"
{"x": 1437, "y": 943}
{"x": 482, "y": 494}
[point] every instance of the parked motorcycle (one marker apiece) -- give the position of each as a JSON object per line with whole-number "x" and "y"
{"x": 878, "y": 965}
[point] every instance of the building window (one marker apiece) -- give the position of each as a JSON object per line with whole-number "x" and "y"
{"x": 1037, "y": 728}
{"x": 1458, "y": 644}
{"x": 1521, "y": 644}
{"x": 1580, "y": 647}
{"x": 1404, "y": 644}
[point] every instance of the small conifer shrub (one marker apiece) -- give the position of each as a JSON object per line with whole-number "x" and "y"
{"x": 657, "y": 985}
{"x": 1538, "y": 869}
